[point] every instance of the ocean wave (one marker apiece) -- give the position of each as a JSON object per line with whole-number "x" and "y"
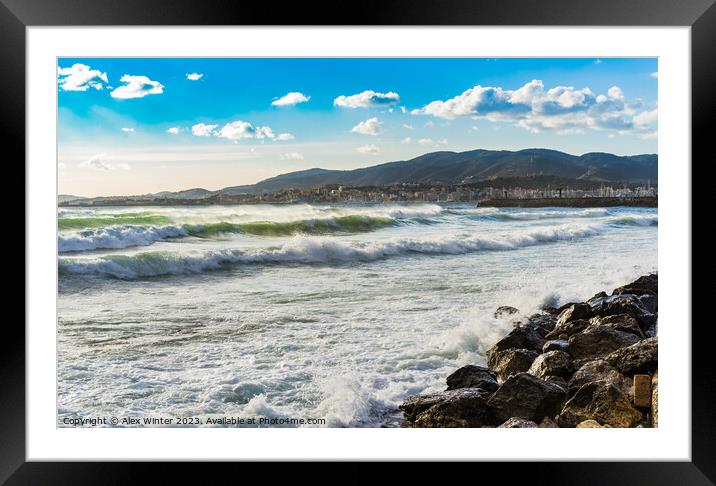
{"x": 310, "y": 250}
{"x": 633, "y": 220}
{"x": 116, "y": 237}
{"x": 105, "y": 220}
{"x": 341, "y": 224}
{"x": 489, "y": 213}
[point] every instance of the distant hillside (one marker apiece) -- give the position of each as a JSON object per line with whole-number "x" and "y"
{"x": 470, "y": 167}
{"x": 476, "y": 167}
{"x": 68, "y": 197}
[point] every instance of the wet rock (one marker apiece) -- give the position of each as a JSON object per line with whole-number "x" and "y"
{"x": 555, "y": 345}
{"x": 623, "y": 304}
{"x": 599, "y": 341}
{"x": 527, "y": 397}
{"x": 648, "y": 284}
{"x": 464, "y": 407}
{"x": 650, "y": 303}
{"x": 641, "y": 357}
{"x": 511, "y": 361}
{"x": 652, "y": 330}
{"x": 602, "y": 401}
{"x": 548, "y": 423}
{"x": 655, "y": 400}
{"x": 574, "y": 312}
{"x": 472, "y": 376}
{"x": 592, "y": 424}
{"x": 505, "y": 310}
{"x": 600, "y": 295}
{"x": 520, "y": 337}
{"x": 568, "y": 329}
{"x": 620, "y": 322}
{"x": 555, "y": 363}
{"x": 557, "y": 380}
{"x": 543, "y": 323}
{"x": 596, "y": 370}
{"x": 518, "y": 423}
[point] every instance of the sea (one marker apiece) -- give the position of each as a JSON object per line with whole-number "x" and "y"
{"x": 308, "y": 315}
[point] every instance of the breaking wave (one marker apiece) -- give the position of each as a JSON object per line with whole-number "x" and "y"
{"x": 102, "y": 220}
{"x": 115, "y": 237}
{"x": 310, "y": 250}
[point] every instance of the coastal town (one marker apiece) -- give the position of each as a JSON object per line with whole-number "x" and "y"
{"x": 520, "y": 189}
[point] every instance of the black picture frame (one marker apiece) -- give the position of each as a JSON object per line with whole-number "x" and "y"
{"x": 700, "y": 15}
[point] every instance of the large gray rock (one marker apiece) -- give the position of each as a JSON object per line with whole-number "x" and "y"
{"x": 648, "y": 284}
{"x": 511, "y": 361}
{"x": 599, "y": 341}
{"x": 623, "y": 304}
{"x": 472, "y": 376}
{"x": 527, "y": 397}
{"x": 518, "y": 423}
{"x": 574, "y": 312}
{"x": 642, "y": 357}
{"x": 620, "y": 322}
{"x": 464, "y": 407}
{"x": 543, "y": 323}
{"x": 520, "y": 337}
{"x": 555, "y": 363}
{"x": 568, "y": 328}
{"x": 596, "y": 370}
{"x": 505, "y": 310}
{"x": 555, "y": 345}
{"x": 602, "y": 401}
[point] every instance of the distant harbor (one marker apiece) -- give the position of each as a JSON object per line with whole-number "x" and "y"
{"x": 572, "y": 202}
{"x": 505, "y": 192}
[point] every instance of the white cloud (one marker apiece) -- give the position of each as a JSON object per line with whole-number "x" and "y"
{"x": 292, "y": 156}
{"x": 646, "y": 118}
{"x": 137, "y": 87}
{"x": 369, "y": 149}
{"x": 97, "y": 163}
{"x": 203, "y": 130}
{"x": 655, "y": 74}
{"x": 563, "y": 109}
{"x": 426, "y": 141}
{"x": 409, "y": 127}
{"x": 406, "y": 140}
{"x": 194, "y": 76}
{"x": 235, "y": 131}
{"x": 291, "y": 99}
{"x": 174, "y": 130}
{"x": 80, "y": 77}
{"x": 371, "y": 126}
{"x": 127, "y": 129}
{"x": 474, "y": 128}
{"x": 238, "y": 130}
{"x": 442, "y": 141}
{"x": 366, "y": 99}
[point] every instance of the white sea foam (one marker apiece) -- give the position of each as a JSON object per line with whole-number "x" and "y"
{"x": 312, "y": 250}
{"x": 114, "y": 237}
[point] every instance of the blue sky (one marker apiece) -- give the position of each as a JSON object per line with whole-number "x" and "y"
{"x": 132, "y": 126}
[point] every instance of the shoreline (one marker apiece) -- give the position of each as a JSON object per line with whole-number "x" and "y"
{"x": 586, "y": 202}
{"x": 583, "y": 202}
{"x": 590, "y": 364}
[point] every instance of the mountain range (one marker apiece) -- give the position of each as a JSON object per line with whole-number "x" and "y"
{"x": 453, "y": 168}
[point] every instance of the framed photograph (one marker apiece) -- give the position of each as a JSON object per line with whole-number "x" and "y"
{"x": 252, "y": 237}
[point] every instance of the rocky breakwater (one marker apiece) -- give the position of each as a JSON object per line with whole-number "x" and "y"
{"x": 586, "y": 365}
